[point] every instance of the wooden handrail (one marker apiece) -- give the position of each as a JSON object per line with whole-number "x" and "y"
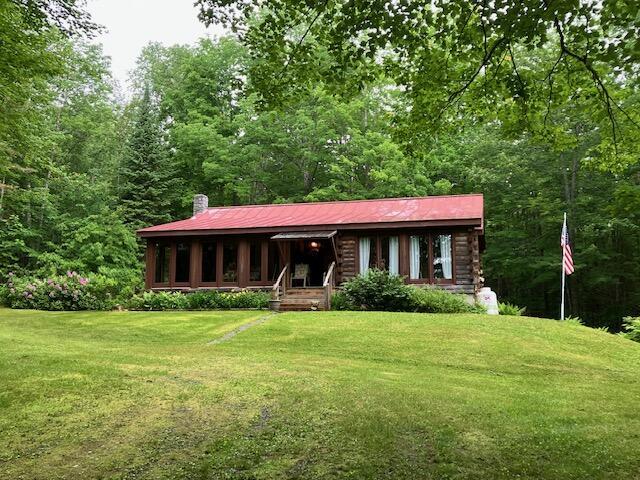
{"x": 329, "y": 274}
{"x": 328, "y": 285}
{"x": 277, "y": 285}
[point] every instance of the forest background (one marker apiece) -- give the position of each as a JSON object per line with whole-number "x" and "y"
{"x": 290, "y": 108}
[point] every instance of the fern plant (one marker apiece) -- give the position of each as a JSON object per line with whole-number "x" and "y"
{"x": 510, "y": 309}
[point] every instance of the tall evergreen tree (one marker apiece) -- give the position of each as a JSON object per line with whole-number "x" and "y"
{"x": 144, "y": 174}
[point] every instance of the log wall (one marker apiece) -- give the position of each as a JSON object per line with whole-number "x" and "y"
{"x": 468, "y": 272}
{"x": 347, "y": 267}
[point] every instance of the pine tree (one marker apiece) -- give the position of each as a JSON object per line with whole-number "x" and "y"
{"x": 145, "y": 179}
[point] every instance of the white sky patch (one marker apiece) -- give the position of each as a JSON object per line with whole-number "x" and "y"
{"x": 132, "y": 24}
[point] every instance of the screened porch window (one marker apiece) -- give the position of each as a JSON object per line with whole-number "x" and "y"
{"x": 255, "y": 261}
{"x": 183, "y": 258}
{"x": 274, "y": 261}
{"x": 229, "y": 262}
{"x": 209, "y": 253}
{"x": 163, "y": 255}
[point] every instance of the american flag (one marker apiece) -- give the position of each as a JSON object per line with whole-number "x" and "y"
{"x": 567, "y": 259}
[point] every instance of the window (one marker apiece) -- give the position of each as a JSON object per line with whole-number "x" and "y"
{"x": 209, "y": 253}
{"x": 255, "y": 261}
{"x": 163, "y": 255}
{"x": 383, "y": 264}
{"x": 364, "y": 254}
{"x": 274, "y": 261}
{"x": 442, "y": 257}
{"x": 389, "y": 254}
{"x": 183, "y": 257}
{"x": 379, "y": 252}
{"x": 419, "y": 257}
{"x": 229, "y": 262}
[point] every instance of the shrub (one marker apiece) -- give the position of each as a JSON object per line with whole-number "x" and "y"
{"x": 159, "y": 301}
{"x": 434, "y": 300}
{"x": 204, "y": 300}
{"x": 126, "y": 282}
{"x": 340, "y": 301}
{"x": 4, "y": 295}
{"x": 64, "y": 292}
{"x": 509, "y": 309}
{"x": 574, "y": 321}
{"x": 631, "y": 328}
{"x": 248, "y": 299}
{"x": 378, "y": 290}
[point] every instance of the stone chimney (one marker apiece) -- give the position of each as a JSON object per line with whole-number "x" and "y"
{"x": 200, "y": 203}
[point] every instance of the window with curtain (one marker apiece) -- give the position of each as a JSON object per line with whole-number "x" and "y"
{"x": 209, "y": 253}
{"x": 418, "y": 257}
{"x": 364, "y": 254}
{"x": 442, "y": 257}
{"x": 163, "y": 255}
{"x": 394, "y": 256}
{"x": 183, "y": 261}
{"x": 389, "y": 254}
{"x": 373, "y": 253}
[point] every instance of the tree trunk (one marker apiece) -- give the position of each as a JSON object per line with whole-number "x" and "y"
{"x": 2, "y": 187}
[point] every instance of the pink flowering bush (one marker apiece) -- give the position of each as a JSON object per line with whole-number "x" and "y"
{"x": 63, "y": 292}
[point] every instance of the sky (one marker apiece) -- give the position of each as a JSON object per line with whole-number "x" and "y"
{"x": 132, "y": 24}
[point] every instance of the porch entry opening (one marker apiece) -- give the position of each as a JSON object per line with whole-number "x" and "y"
{"x": 310, "y": 255}
{"x": 310, "y": 260}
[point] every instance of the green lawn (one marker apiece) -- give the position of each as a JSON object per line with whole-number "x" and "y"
{"x": 314, "y": 395}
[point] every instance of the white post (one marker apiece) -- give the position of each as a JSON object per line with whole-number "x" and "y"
{"x": 564, "y": 226}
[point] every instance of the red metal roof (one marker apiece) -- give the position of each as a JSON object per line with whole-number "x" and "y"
{"x": 458, "y": 209}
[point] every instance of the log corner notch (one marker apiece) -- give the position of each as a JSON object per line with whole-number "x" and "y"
{"x": 476, "y": 262}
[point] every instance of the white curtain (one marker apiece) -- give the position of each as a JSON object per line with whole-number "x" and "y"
{"x": 365, "y": 251}
{"x": 394, "y": 256}
{"x": 414, "y": 257}
{"x": 445, "y": 256}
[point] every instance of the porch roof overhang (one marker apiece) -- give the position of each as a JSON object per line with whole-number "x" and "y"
{"x": 301, "y": 235}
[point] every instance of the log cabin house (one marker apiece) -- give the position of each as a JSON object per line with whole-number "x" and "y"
{"x": 302, "y": 251}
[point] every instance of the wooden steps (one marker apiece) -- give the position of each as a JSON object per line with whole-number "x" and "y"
{"x": 303, "y": 299}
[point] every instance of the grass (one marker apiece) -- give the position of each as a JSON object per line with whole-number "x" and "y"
{"x": 314, "y": 395}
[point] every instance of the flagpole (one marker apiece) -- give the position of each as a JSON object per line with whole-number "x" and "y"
{"x": 564, "y": 225}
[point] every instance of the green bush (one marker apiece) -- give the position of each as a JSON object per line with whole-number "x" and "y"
{"x": 203, "y": 300}
{"x": 63, "y": 292}
{"x": 340, "y": 301}
{"x": 126, "y": 282}
{"x": 378, "y": 290}
{"x": 159, "y": 301}
{"x": 4, "y": 296}
{"x": 510, "y": 309}
{"x": 434, "y": 300}
{"x": 631, "y": 327}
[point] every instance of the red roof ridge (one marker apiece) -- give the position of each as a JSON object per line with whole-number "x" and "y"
{"x": 361, "y": 200}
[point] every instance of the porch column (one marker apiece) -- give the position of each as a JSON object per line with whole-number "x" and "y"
{"x": 243, "y": 263}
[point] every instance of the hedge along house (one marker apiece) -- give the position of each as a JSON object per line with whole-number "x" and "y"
{"x": 302, "y": 251}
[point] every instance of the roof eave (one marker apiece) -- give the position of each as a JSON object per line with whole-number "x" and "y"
{"x": 476, "y": 223}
